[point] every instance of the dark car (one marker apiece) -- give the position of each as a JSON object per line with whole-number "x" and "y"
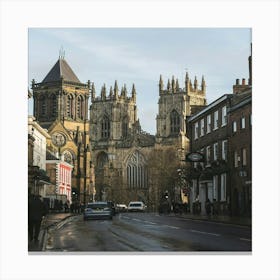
{"x": 98, "y": 210}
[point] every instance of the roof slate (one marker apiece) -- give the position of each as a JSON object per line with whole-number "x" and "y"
{"x": 61, "y": 69}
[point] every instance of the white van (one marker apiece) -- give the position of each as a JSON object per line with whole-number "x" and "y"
{"x": 136, "y": 206}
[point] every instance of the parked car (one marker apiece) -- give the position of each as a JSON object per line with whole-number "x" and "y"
{"x": 121, "y": 207}
{"x": 98, "y": 210}
{"x": 136, "y": 206}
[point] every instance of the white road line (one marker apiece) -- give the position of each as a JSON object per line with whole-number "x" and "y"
{"x": 150, "y": 223}
{"x": 171, "y": 227}
{"x": 203, "y": 232}
{"x": 245, "y": 239}
{"x": 137, "y": 220}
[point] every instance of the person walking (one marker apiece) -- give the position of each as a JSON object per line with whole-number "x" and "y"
{"x": 36, "y": 211}
{"x": 208, "y": 207}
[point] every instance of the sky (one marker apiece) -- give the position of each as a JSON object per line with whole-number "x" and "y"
{"x": 140, "y": 56}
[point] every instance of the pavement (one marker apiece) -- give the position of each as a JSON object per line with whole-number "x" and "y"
{"x": 242, "y": 221}
{"x": 53, "y": 220}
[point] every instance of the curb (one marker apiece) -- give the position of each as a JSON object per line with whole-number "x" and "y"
{"x": 45, "y": 232}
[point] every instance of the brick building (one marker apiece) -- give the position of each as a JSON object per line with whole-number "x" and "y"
{"x": 240, "y": 150}
{"x": 208, "y": 134}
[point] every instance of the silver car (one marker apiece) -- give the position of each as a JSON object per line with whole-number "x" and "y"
{"x": 98, "y": 210}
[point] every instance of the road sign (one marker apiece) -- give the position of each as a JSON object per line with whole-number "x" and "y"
{"x": 195, "y": 157}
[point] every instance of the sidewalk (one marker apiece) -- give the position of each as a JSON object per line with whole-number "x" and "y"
{"x": 50, "y": 220}
{"x": 242, "y": 221}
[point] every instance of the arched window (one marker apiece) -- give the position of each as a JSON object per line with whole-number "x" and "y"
{"x": 54, "y": 105}
{"x": 43, "y": 106}
{"x": 70, "y": 103}
{"x": 125, "y": 127}
{"x": 137, "y": 172}
{"x": 68, "y": 157}
{"x": 174, "y": 122}
{"x": 80, "y": 107}
{"x": 105, "y": 128}
{"x": 102, "y": 160}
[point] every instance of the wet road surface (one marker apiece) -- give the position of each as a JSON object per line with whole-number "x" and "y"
{"x": 148, "y": 232}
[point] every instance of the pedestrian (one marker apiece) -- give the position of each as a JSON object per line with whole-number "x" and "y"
{"x": 65, "y": 207}
{"x": 208, "y": 207}
{"x": 36, "y": 211}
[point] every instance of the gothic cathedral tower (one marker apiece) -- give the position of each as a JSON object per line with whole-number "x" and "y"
{"x": 174, "y": 105}
{"x": 113, "y": 119}
{"x": 61, "y": 107}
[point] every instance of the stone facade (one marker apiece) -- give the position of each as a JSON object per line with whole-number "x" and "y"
{"x": 61, "y": 106}
{"x": 124, "y": 156}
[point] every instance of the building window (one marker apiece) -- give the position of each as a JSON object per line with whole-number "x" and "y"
{"x": 196, "y": 130}
{"x": 244, "y": 157}
{"x": 208, "y": 130}
{"x": 208, "y": 154}
{"x": 242, "y": 123}
{"x": 223, "y": 187}
{"x": 224, "y": 150}
{"x": 224, "y": 115}
{"x": 250, "y": 119}
{"x": 80, "y": 107}
{"x": 105, "y": 128}
{"x": 215, "y": 187}
{"x": 137, "y": 172}
{"x": 202, "y": 127}
{"x": 68, "y": 157}
{"x": 69, "y": 106}
{"x": 235, "y": 159}
{"x": 125, "y": 127}
{"x": 234, "y": 126}
{"x": 216, "y": 120}
{"x": 174, "y": 122}
{"x": 54, "y": 105}
{"x": 215, "y": 151}
{"x": 43, "y": 108}
{"x": 102, "y": 160}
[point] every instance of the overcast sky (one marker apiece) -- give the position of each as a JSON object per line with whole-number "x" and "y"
{"x": 140, "y": 55}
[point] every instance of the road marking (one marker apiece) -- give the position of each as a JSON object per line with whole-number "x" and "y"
{"x": 245, "y": 239}
{"x": 150, "y": 223}
{"x": 204, "y": 232}
{"x": 171, "y": 227}
{"x": 137, "y": 220}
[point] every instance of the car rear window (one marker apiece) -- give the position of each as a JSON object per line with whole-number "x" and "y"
{"x": 135, "y": 204}
{"x": 97, "y": 206}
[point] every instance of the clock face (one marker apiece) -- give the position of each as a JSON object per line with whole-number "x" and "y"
{"x": 58, "y": 139}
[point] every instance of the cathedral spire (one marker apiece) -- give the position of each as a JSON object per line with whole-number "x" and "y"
{"x": 195, "y": 83}
{"x": 116, "y": 89}
{"x": 124, "y": 91}
{"x": 92, "y": 92}
{"x": 160, "y": 84}
{"x": 103, "y": 92}
{"x": 187, "y": 83}
{"x": 173, "y": 84}
{"x": 133, "y": 93}
{"x": 168, "y": 86}
{"x": 203, "y": 84}
{"x": 111, "y": 93}
{"x": 177, "y": 85}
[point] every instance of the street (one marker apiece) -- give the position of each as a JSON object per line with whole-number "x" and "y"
{"x": 148, "y": 232}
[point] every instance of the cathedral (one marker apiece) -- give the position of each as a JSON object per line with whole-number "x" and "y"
{"x": 101, "y": 136}
{"x": 130, "y": 164}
